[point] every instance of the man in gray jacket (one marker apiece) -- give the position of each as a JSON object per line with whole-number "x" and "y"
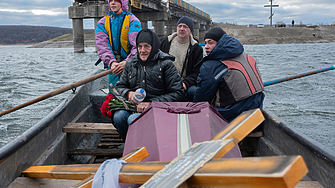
{"x": 152, "y": 70}
{"x": 188, "y": 53}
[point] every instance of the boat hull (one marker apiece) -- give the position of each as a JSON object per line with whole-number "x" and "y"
{"x": 281, "y": 139}
{"x": 46, "y": 144}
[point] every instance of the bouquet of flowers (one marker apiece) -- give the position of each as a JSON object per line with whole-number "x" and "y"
{"x": 111, "y": 104}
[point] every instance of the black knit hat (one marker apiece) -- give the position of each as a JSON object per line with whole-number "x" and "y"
{"x": 215, "y": 33}
{"x": 186, "y": 20}
{"x": 148, "y": 36}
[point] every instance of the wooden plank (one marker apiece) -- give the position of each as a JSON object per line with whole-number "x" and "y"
{"x": 241, "y": 126}
{"x": 109, "y": 144}
{"x": 25, "y": 182}
{"x": 252, "y": 172}
{"x": 111, "y": 136}
{"x": 284, "y": 171}
{"x": 116, "y": 140}
{"x": 105, "y": 128}
{"x": 255, "y": 135}
{"x": 185, "y": 165}
{"x": 137, "y": 155}
{"x": 98, "y": 152}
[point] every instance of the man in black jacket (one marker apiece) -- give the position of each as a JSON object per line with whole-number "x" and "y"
{"x": 152, "y": 70}
{"x": 187, "y": 52}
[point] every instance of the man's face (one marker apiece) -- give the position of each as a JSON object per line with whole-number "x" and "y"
{"x": 114, "y": 5}
{"x": 144, "y": 50}
{"x": 210, "y": 45}
{"x": 183, "y": 31}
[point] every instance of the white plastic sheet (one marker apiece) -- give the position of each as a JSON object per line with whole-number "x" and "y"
{"x": 107, "y": 175}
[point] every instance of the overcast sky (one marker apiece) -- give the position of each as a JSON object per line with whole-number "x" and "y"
{"x": 55, "y": 12}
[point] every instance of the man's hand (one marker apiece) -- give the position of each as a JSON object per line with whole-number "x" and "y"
{"x": 142, "y": 106}
{"x": 117, "y": 68}
{"x": 131, "y": 98}
{"x": 184, "y": 86}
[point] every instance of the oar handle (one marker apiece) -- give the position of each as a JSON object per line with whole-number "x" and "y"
{"x": 298, "y": 76}
{"x": 58, "y": 91}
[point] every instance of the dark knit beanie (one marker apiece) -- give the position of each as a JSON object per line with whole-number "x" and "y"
{"x": 148, "y": 36}
{"x": 145, "y": 36}
{"x": 215, "y": 33}
{"x": 186, "y": 20}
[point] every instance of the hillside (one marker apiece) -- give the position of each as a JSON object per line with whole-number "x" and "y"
{"x": 23, "y": 34}
{"x": 53, "y": 37}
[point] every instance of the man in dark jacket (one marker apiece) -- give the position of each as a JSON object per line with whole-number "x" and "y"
{"x": 187, "y": 52}
{"x": 152, "y": 70}
{"x": 229, "y": 78}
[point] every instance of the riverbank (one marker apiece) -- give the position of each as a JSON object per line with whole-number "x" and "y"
{"x": 281, "y": 35}
{"x": 246, "y": 35}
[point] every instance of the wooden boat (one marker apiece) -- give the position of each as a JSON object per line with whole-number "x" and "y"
{"x": 71, "y": 133}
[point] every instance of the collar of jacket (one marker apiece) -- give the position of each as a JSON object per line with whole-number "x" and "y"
{"x": 111, "y": 13}
{"x": 158, "y": 56}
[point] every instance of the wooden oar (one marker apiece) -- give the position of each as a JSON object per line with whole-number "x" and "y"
{"x": 298, "y": 76}
{"x": 58, "y": 91}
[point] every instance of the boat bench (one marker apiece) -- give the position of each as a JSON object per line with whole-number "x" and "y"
{"x": 107, "y": 147}
{"x": 103, "y": 128}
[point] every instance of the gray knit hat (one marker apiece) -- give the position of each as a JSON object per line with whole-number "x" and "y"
{"x": 215, "y": 33}
{"x": 186, "y": 20}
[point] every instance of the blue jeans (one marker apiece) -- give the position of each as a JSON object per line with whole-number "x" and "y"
{"x": 190, "y": 93}
{"x": 122, "y": 120}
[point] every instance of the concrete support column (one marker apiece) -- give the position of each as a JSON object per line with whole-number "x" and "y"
{"x": 171, "y": 26}
{"x": 169, "y": 29}
{"x": 159, "y": 28}
{"x": 196, "y": 28}
{"x": 144, "y": 24}
{"x": 96, "y": 20}
{"x": 78, "y": 35}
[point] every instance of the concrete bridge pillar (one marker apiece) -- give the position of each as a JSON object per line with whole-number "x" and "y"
{"x": 96, "y": 20}
{"x": 159, "y": 28}
{"x": 169, "y": 29}
{"x": 171, "y": 26}
{"x": 78, "y": 35}
{"x": 196, "y": 28}
{"x": 144, "y": 24}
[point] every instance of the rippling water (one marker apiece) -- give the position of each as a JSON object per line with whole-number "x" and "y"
{"x": 305, "y": 103}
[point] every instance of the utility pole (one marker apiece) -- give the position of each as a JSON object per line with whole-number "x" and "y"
{"x": 271, "y": 14}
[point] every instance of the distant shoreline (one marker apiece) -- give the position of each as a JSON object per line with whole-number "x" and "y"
{"x": 246, "y": 35}
{"x": 19, "y": 44}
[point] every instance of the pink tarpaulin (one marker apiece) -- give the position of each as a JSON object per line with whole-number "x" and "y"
{"x": 158, "y": 129}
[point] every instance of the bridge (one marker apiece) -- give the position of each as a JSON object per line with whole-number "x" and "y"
{"x": 163, "y": 15}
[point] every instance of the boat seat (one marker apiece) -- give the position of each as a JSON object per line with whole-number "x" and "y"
{"x": 108, "y": 147}
{"x": 104, "y": 128}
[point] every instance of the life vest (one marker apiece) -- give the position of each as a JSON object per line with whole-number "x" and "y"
{"x": 124, "y": 32}
{"x": 242, "y": 80}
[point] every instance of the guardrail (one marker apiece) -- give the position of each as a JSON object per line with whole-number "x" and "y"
{"x": 190, "y": 7}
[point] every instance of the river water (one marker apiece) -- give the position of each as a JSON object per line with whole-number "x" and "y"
{"x": 306, "y": 104}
